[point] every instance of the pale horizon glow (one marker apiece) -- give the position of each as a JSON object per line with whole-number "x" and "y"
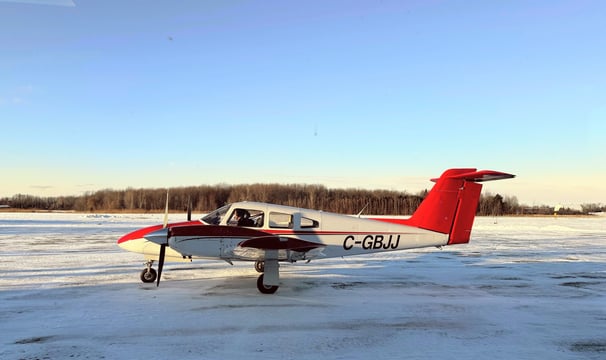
{"x": 346, "y": 94}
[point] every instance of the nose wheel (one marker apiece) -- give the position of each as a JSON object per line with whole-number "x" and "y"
{"x": 149, "y": 274}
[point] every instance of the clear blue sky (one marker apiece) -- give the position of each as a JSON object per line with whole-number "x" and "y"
{"x": 363, "y": 94}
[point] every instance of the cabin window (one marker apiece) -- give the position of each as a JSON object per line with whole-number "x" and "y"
{"x": 280, "y": 220}
{"x": 307, "y": 223}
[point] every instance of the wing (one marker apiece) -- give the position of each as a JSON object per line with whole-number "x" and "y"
{"x": 284, "y": 248}
{"x": 273, "y": 242}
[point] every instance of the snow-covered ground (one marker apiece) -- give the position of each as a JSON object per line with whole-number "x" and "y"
{"x": 524, "y": 288}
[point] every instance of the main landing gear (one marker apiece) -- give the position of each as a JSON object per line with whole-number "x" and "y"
{"x": 149, "y": 274}
{"x": 264, "y": 289}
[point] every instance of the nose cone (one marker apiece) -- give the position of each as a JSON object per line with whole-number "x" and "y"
{"x": 137, "y": 235}
{"x": 159, "y": 236}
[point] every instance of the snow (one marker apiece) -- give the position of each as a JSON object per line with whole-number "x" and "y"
{"x": 523, "y": 288}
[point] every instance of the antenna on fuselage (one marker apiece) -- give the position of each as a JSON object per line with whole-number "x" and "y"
{"x": 364, "y": 208}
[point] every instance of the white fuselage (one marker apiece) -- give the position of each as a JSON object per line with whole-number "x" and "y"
{"x": 336, "y": 235}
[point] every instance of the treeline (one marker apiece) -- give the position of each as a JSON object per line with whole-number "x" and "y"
{"x": 205, "y": 198}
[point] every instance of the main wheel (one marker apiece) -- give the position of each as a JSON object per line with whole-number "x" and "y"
{"x": 265, "y": 289}
{"x": 260, "y": 266}
{"x": 149, "y": 275}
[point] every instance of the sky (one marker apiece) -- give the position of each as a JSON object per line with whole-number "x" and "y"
{"x": 348, "y": 94}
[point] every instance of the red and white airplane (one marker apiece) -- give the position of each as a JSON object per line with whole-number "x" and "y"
{"x": 268, "y": 234}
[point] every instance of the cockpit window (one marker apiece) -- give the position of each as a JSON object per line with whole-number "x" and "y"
{"x": 215, "y": 217}
{"x": 246, "y": 217}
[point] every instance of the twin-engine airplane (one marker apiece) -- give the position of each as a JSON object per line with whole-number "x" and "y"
{"x": 268, "y": 234}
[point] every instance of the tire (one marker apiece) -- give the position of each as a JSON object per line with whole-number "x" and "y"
{"x": 149, "y": 276}
{"x": 260, "y": 266}
{"x": 264, "y": 288}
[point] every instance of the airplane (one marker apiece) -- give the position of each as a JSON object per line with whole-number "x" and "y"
{"x": 269, "y": 234}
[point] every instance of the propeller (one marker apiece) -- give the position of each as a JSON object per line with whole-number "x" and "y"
{"x": 160, "y": 237}
{"x": 162, "y": 254}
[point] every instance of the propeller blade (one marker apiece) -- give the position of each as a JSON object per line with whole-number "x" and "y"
{"x": 166, "y": 211}
{"x": 162, "y": 254}
{"x": 188, "y": 208}
{"x": 161, "y": 263}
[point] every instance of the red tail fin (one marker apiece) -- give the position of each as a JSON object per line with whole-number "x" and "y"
{"x": 450, "y": 206}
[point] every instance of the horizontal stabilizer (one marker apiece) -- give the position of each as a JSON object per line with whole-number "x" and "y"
{"x": 479, "y": 176}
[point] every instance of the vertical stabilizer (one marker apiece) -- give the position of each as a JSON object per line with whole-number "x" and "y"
{"x": 450, "y": 206}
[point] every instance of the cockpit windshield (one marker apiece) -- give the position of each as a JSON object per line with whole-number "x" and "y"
{"x": 215, "y": 217}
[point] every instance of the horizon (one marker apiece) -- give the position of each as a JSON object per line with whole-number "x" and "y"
{"x": 371, "y": 95}
{"x": 506, "y": 197}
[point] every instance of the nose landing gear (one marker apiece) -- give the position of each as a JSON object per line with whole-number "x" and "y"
{"x": 149, "y": 274}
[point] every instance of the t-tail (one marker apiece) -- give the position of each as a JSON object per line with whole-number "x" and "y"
{"x": 450, "y": 206}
